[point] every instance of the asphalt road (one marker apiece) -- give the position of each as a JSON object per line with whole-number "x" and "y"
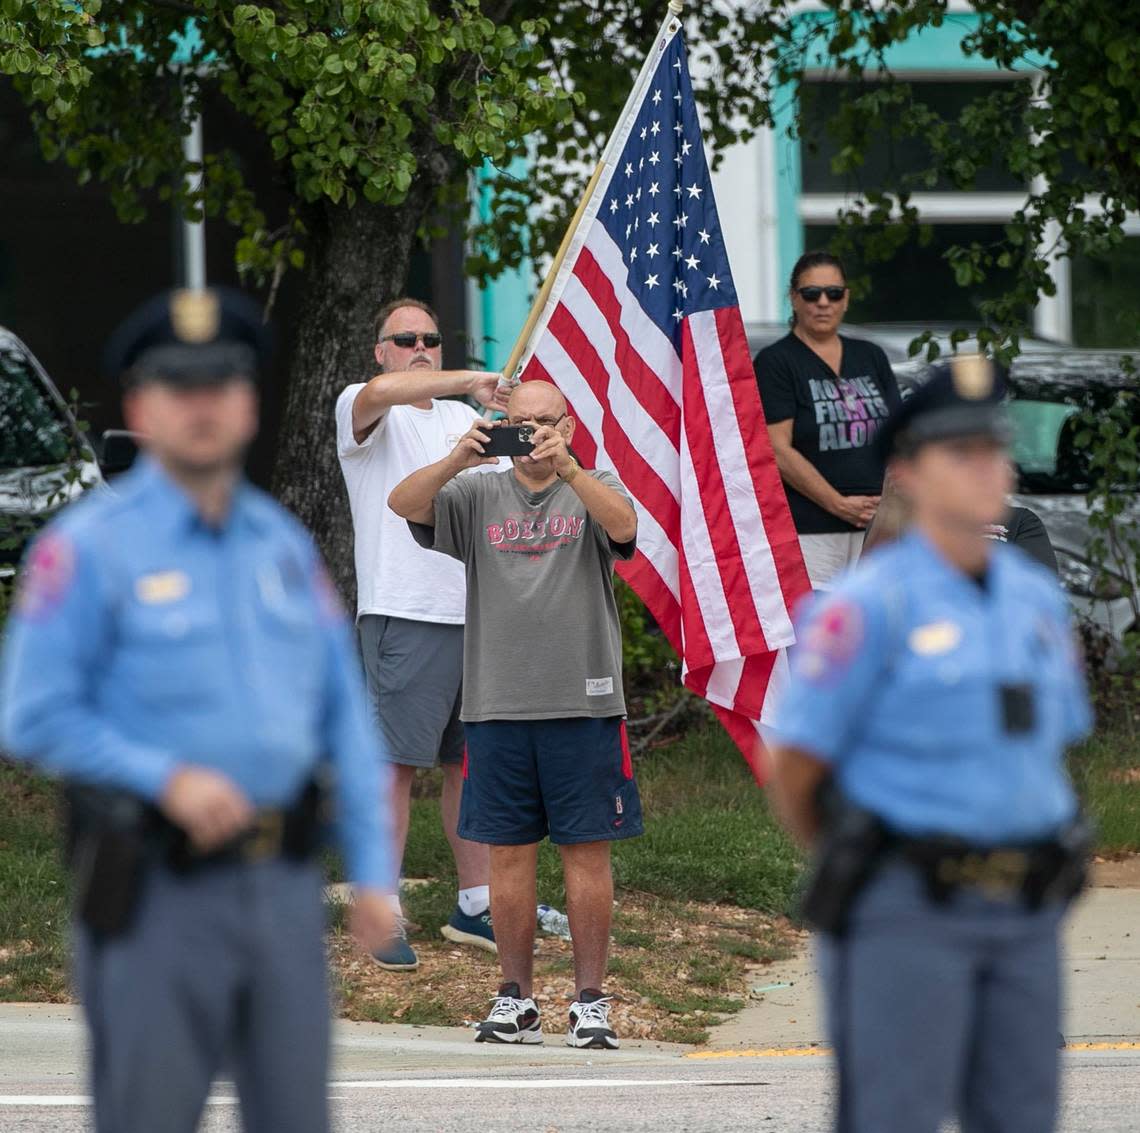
{"x": 437, "y": 1080}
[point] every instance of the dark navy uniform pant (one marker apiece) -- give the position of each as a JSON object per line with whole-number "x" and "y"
{"x": 222, "y": 970}
{"x": 943, "y": 1009}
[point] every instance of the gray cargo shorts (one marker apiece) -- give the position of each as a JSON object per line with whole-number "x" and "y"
{"x": 415, "y": 684}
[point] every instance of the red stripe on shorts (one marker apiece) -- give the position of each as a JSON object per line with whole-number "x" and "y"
{"x": 465, "y": 761}
{"x": 626, "y": 758}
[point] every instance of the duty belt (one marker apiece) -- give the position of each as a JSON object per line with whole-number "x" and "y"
{"x": 293, "y": 832}
{"x": 1035, "y": 873}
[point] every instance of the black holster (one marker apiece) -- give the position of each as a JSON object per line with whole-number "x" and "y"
{"x": 851, "y": 844}
{"x": 109, "y": 847}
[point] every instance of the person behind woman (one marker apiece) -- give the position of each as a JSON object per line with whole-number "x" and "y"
{"x": 824, "y": 397}
{"x": 1020, "y": 527}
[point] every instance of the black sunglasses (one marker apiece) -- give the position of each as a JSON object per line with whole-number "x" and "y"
{"x": 549, "y": 422}
{"x": 406, "y": 339}
{"x": 813, "y": 294}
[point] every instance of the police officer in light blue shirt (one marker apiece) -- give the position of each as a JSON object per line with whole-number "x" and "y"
{"x": 178, "y": 656}
{"x": 921, "y": 751}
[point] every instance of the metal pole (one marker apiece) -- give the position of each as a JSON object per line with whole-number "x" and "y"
{"x": 193, "y": 231}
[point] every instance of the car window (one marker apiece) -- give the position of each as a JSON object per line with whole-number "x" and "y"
{"x": 1044, "y": 443}
{"x": 1037, "y": 432}
{"x": 33, "y": 430}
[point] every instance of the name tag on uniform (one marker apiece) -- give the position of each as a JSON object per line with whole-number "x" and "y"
{"x": 165, "y": 586}
{"x": 938, "y": 637}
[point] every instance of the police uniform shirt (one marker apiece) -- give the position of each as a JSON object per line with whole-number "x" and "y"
{"x": 143, "y": 638}
{"x": 897, "y": 682}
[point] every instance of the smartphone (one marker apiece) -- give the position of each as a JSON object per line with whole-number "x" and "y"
{"x": 509, "y": 440}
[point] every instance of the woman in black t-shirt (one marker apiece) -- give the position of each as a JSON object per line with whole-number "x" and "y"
{"x": 824, "y": 396}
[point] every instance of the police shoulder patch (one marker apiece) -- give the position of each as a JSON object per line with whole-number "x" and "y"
{"x": 831, "y": 640}
{"x": 47, "y": 576}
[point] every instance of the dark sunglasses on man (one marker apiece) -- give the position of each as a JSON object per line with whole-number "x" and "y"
{"x": 814, "y": 294}
{"x": 406, "y": 339}
{"x": 548, "y": 422}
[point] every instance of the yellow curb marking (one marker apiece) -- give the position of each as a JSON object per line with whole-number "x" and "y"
{"x": 770, "y": 1052}
{"x": 816, "y": 1051}
{"x": 1102, "y": 1046}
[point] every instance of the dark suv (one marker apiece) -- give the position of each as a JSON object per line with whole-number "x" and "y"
{"x": 45, "y": 458}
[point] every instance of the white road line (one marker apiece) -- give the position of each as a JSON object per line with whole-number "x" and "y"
{"x": 44, "y": 1101}
{"x": 524, "y": 1083}
{"x": 39, "y": 1101}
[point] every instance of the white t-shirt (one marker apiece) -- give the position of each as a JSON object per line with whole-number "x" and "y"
{"x": 395, "y": 576}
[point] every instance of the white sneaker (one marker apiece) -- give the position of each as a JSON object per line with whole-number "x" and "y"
{"x": 590, "y": 1025}
{"x": 512, "y": 1019}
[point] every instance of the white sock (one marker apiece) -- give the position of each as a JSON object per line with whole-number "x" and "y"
{"x": 475, "y": 900}
{"x": 394, "y": 900}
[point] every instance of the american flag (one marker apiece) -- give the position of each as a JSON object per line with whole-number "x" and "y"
{"x": 642, "y": 334}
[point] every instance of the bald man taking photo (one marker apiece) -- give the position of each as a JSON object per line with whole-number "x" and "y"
{"x": 543, "y": 708}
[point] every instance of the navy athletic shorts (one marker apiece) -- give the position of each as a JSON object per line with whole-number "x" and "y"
{"x": 569, "y": 778}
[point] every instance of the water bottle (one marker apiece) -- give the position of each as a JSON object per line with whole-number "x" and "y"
{"x": 552, "y": 921}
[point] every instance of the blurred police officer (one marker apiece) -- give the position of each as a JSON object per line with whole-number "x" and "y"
{"x": 921, "y": 748}
{"x": 178, "y": 656}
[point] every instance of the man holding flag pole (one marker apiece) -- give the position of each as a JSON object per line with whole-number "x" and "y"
{"x": 635, "y": 347}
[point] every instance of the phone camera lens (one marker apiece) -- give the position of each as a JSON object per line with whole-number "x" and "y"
{"x": 525, "y": 432}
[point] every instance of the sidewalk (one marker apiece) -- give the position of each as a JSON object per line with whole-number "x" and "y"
{"x": 1100, "y": 963}
{"x": 44, "y": 1048}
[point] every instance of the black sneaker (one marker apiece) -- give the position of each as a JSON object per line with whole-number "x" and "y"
{"x": 512, "y": 1019}
{"x": 590, "y": 1022}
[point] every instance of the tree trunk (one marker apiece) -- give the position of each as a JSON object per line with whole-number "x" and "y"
{"x": 356, "y": 260}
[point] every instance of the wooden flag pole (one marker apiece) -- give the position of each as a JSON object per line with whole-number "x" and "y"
{"x": 674, "y": 8}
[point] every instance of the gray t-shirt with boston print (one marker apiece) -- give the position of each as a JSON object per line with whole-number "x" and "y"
{"x": 543, "y": 638}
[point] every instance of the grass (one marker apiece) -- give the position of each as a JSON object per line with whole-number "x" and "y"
{"x": 680, "y": 950}
{"x": 757, "y": 951}
{"x": 1106, "y": 773}
{"x": 33, "y": 890}
{"x": 709, "y": 834}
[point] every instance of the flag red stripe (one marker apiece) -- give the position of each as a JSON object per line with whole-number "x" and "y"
{"x": 778, "y": 525}
{"x": 744, "y": 735}
{"x": 645, "y": 385}
{"x": 718, "y": 516}
{"x": 633, "y": 469}
{"x": 698, "y": 650}
{"x": 754, "y": 683}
